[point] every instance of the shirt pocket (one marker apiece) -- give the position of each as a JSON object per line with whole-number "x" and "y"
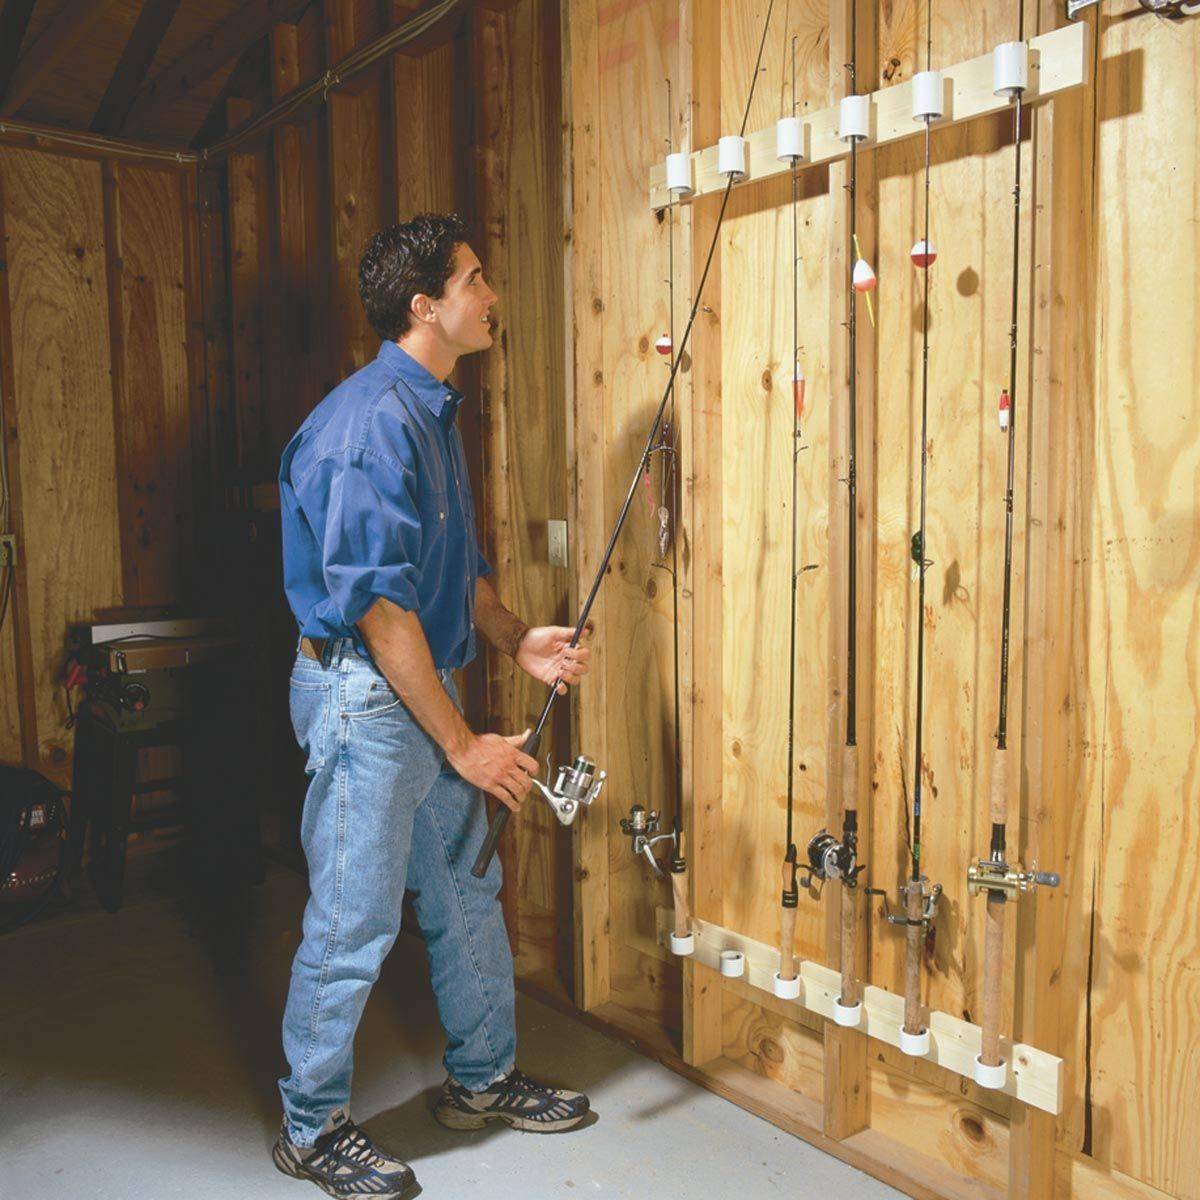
{"x": 309, "y": 703}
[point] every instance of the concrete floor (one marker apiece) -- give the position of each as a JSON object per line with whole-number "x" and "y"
{"x": 139, "y": 1052}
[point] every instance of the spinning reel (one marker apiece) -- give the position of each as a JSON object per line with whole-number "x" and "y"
{"x": 577, "y": 786}
{"x": 929, "y": 896}
{"x": 642, "y": 828}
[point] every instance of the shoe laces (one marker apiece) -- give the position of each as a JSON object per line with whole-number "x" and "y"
{"x": 518, "y": 1081}
{"x": 352, "y": 1144}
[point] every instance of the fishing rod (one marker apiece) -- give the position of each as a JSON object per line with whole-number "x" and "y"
{"x": 827, "y": 856}
{"x": 789, "y": 147}
{"x": 992, "y": 876}
{"x": 641, "y": 827}
{"x": 919, "y": 897}
{"x": 731, "y": 162}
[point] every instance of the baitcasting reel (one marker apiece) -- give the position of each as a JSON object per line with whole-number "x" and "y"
{"x": 830, "y": 859}
{"x": 577, "y": 786}
{"x": 640, "y": 826}
{"x": 988, "y": 875}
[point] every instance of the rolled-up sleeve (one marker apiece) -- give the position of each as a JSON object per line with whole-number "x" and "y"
{"x": 371, "y": 540}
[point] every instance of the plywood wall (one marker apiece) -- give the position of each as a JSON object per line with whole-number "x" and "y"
{"x": 98, "y": 388}
{"x": 1105, "y": 657}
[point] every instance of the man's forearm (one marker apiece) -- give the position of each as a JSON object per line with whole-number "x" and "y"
{"x": 398, "y": 645}
{"x": 498, "y": 626}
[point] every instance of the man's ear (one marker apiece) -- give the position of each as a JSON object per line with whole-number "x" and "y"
{"x": 421, "y": 307}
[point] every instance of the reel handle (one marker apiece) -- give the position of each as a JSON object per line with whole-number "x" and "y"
{"x": 486, "y": 852}
{"x": 1047, "y": 878}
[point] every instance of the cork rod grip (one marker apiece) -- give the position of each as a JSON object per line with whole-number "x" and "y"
{"x": 993, "y": 962}
{"x": 683, "y": 919}
{"x": 850, "y": 779}
{"x": 912, "y": 962}
{"x": 787, "y": 943}
{"x": 683, "y": 916}
{"x": 850, "y": 990}
{"x": 850, "y": 994}
{"x": 999, "y": 802}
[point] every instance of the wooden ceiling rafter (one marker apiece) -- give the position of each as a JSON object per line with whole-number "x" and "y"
{"x": 218, "y": 48}
{"x": 14, "y": 21}
{"x": 130, "y": 75}
{"x": 69, "y": 26}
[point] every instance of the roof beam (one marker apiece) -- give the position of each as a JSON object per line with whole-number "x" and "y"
{"x": 69, "y": 27}
{"x": 152, "y": 24}
{"x": 217, "y": 49}
{"x": 14, "y": 20}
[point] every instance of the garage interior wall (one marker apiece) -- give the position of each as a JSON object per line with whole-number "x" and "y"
{"x": 1104, "y": 699}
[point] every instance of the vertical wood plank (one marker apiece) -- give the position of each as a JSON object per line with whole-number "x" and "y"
{"x": 847, "y": 1091}
{"x": 18, "y": 719}
{"x": 146, "y": 240}
{"x": 356, "y": 185}
{"x": 247, "y": 279}
{"x": 583, "y": 307}
{"x": 700, "y": 43}
{"x": 517, "y": 131}
{"x": 298, "y": 360}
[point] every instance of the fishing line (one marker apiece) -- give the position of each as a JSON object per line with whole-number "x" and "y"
{"x": 500, "y": 819}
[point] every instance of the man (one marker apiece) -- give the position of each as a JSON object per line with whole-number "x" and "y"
{"x": 383, "y": 573}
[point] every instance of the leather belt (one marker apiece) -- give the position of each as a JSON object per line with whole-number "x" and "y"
{"x": 313, "y": 648}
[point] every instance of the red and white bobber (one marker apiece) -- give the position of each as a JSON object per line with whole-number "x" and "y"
{"x": 1005, "y": 410}
{"x": 664, "y": 346}
{"x": 864, "y": 276}
{"x": 923, "y": 254}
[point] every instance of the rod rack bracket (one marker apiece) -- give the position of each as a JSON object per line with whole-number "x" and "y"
{"x": 1035, "y": 1077}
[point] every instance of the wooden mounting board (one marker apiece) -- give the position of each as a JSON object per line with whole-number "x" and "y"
{"x": 1036, "y": 1077}
{"x": 1058, "y": 62}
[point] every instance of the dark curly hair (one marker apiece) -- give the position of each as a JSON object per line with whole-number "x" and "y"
{"x": 403, "y": 261}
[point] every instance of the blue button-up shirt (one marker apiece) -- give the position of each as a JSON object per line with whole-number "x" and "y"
{"x": 376, "y": 501}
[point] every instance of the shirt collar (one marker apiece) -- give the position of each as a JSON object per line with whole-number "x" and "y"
{"x": 441, "y": 399}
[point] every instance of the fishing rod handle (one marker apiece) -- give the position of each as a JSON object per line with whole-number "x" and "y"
{"x": 999, "y": 798}
{"x": 850, "y": 989}
{"x": 683, "y": 916}
{"x": 849, "y": 778}
{"x": 915, "y": 934}
{"x": 486, "y": 852}
{"x": 993, "y": 972}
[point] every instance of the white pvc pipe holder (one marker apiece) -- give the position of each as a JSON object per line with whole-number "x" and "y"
{"x": 915, "y": 1045}
{"x": 1010, "y": 68}
{"x": 854, "y": 118}
{"x": 733, "y": 963}
{"x": 679, "y": 174}
{"x": 789, "y": 139}
{"x": 927, "y": 96}
{"x": 683, "y": 946}
{"x": 991, "y": 1077}
{"x": 786, "y": 989}
{"x": 731, "y": 156}
{"x": 848, "y": 1016}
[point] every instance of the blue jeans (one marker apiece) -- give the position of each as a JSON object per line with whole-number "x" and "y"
{"x": 385, "y": 811}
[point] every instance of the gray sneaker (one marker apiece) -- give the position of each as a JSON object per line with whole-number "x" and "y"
{"x": 516, "y": 1099}
{"x": 343, "y": 1162}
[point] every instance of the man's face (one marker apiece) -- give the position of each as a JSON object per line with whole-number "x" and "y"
{"x": 463, "y": 309}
